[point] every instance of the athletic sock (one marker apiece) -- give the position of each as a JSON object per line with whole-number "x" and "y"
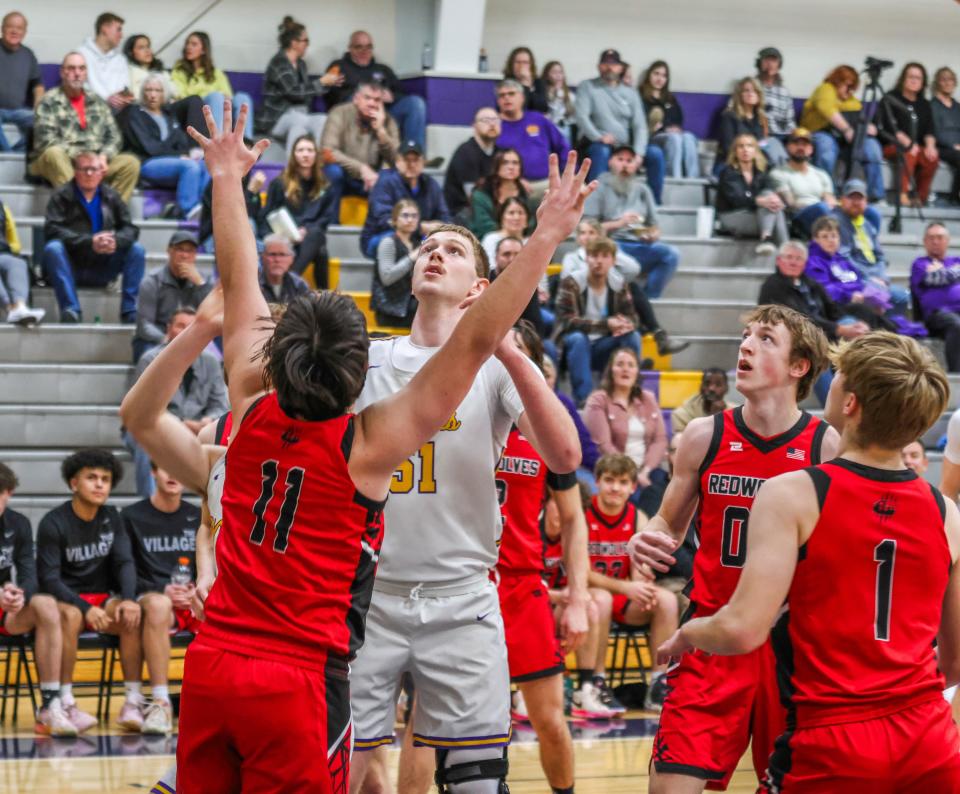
{"x": 161, "y": 692}
{"x": 133, "y": 692}
{"x": 583, "y": 677}
{"x": 66, "y": 695}
{"x": 49, "y": 692}
{"x": 563, "y": 790}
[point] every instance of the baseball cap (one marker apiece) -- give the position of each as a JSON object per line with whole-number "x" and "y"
{"x": 800, "y": 134}
{"x": 411, "y": 147}
{"x": 852, "y": 186}
{"x": 610, "y": 56}
{"x": 183, "y": 236}
{"x": 769, "y": 52}
{"x": 623, "y": 147}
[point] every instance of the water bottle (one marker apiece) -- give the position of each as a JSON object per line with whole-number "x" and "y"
{"x": 426, "y": 58}
{"x": 181, "y": 572}
{"x": 484, "y": 64}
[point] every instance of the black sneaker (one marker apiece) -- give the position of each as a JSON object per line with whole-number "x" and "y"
{"x": 608, "y": 698}
{"x": 70, "y": 317}
{"x": 667, "y": 346}
{"x": 656, "y": 694}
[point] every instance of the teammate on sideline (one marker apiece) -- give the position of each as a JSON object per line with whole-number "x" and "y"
{"x": 434, "y": 612}
{"x": 715, "y": 703}
{"x": 864, "y": 552}
{"x": 293, "y": 594}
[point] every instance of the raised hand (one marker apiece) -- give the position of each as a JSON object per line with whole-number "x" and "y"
{"x": 562, "y": 205}
{"x": 224, "y": 151}
{"x": 653, "y": 548}
{"x": 210, "y": 310}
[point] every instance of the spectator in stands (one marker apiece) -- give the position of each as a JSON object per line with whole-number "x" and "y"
{"x": 709, "y": 400}
{"x": 624, "y": 418}
{"x": 906, "y": 127}
{"x": 530, "y": 133}
{"x": 277, "y": 283}
{"x": 391, "y": 294}
{"x": 501, "y": 183}
{"x": 288, "y": 90}
{"x": 521, "y": 67}
{"x": 860, "y": 241}
{"x": 831, "y": 114}
{"x": 168, "y": 157}
{"x": 915, "y": 458}
{"x": 406, "y": 181}
{"x": 162, "y": 530}
{"x": 935, "y": 283}
{"x": 23, "y": 609}
{"x": 14, "y": 275}
{"x": 70, "y": 120}
{"x": 471, "y": 161}
{"x": 665, "y": 123}
{"x": 609, "y": 113}
{"x": 21, "y": 89}
{"x": 358, "y": 140}
{"x": 142, "y": 62}
{"x": 626, "y": 269}
{"x": 594, "y": 317}
{"x": 745, "y": 114}
{"x": 513, "y": 220}
{"x": 625, "y": 207}
{"x": 561, "y": 107}
{"x": 805, "y": 189}
{"x": 946, "y": 125}
{"x": 777, "y": 102}
{"x": 84, "y": 561}
{"x": 252, "y": 184}
{"x": 90, "y": 240}
{"x": 303, "y": 191}
{"x": 747, "y": 204}
{"x": 107, "y": 71}
{"x": 195, "y": 75}
{"x": 175, "y": 286}
{"x": 358, "y": 66}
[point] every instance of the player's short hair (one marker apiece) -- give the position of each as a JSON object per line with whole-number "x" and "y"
{"x": 901, "y": 388}
{"x": 826, "y": 222}
{"x": 91, "y": 459}
{"x": 807, "y": 341}
{"x": 482, "y": 263}
{"x": 617, "y": 465}
{"x": 602, "y": 245}
{"x": 316, "y": 358}
{"x": 8, "y": 480}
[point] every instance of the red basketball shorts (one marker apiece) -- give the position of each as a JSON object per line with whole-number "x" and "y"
{"x": 714, "y": 705}
{"x": 913, "y": 751}
{"x": 533, "y": 650}
{"x": 253, "y": 724}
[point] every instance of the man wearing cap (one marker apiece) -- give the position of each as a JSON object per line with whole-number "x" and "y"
{"x": 860, "y": 240}
{"x": 777, "y": 102}
{"x": 406, "y": 181}
{"x": 178, "y": 284}
{"x": 532, "y": 134}
{"x": 610, "y": 113}
{"x": 805, "y": 189}
{"x": 471, "y": 160}
{"x": 90, "y": 240}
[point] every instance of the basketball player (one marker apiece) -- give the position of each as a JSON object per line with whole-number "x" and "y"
{"x": 434, "y": 612}
{"x": 864, "y": 552}
{"x": 265, "y": 696}
{"x": 715, "y": 703}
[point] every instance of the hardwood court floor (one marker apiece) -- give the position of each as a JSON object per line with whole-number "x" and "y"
{"x": 608, "y": 762}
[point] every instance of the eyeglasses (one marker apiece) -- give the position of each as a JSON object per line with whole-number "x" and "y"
{"x": 277, "y": 254}
{"x": 502, "y": 94}
{"x": 409, "y": 216}
{"x": 361, "y": 46}
{"x": 488, "y": 119}
{"x": 89, "y": 170}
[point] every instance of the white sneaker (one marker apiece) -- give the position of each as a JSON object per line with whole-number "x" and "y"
{"x": 80, "y": 719}
{"x": 587, "y": 704}
{"x": 157, "y": 718}
{"x": 518, "y": 709}
{"x": 130, "y": 717}
{"x": 53, "y": 721}
{"x": 23, "y": 315}
{"x": 765, "y": 248}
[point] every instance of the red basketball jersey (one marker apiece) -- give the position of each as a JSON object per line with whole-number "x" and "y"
{"x": 298, "y": 548}
{"x": 737, "y": 463}
{"x": 553, "y": 569}
{"x": 607, "y": 538}
{"x": 865, "y": 604}
{"x": 522, "y": 480}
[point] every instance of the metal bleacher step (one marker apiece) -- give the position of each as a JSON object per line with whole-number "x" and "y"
{"x": 39, "y": 471}
{"x": 702, "y": 316}
{"x": 66, "y": 344}
{"x": 55, "y": 425}
{"x": 64, "y": 384}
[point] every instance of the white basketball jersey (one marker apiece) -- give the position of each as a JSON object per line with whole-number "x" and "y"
{"x": 218, "y": 474}
{"x": 442, "y": 520}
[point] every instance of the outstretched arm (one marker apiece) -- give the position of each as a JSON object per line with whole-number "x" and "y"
{"x": 244, "y": 328}
{"x": 391, "y": 430}
{"x": 144, "y": 409}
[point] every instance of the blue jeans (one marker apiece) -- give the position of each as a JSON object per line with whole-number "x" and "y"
{"x": 584, "y": 356}
{"x": 410, "y": 113}
{"x": 809, "y": 215}
{"x": 342, "y": 184}
{"x": 141, "y": 466}
{"x": 681, "y": 153}
{"x": 23, "y": 119}
{"x": 653, "y": 163}
{"x": 189, "y": 177}
{"x": 371, "y": 248}
{"x": 64, "y": 277}
{"x": 215, "y": 101}
{"x": 821, "y": 386}
{"x": 827, "y": 150}
{"x": 658, "y": 262}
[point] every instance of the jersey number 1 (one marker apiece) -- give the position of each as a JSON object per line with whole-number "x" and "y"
{"x": 270, "y": 471}
{"x": 885, "y": 555}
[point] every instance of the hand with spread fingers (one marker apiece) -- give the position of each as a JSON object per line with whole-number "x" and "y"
{"x": 562, "y": 205}
{"x": 225, "y": 152}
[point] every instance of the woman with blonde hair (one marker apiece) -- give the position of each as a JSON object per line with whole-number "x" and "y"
{"x": 745, "y": 114}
